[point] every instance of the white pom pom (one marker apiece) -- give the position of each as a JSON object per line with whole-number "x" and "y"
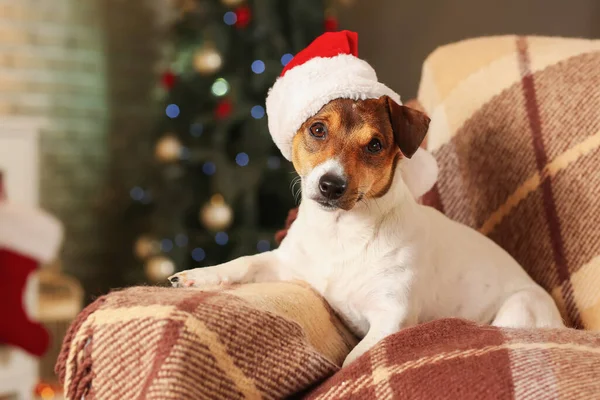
{"x": 420, "y": 172}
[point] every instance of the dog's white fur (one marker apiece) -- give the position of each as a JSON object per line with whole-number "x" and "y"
{"x": 391, "y": 263}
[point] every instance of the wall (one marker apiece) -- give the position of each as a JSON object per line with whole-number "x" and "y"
{"x": 86, "y": 67}
{"x": 52, "y": 68}
{"x": 397, "y": 35}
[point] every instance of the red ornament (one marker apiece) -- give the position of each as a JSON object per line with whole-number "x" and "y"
{"x": 243, "y": 15}
{"x": 168, "y": 80}
{"x": 223, "y": 109}
{"x": 331, "y": 24}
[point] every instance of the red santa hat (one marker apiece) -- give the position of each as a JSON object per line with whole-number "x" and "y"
{"x": 328, "y": 69}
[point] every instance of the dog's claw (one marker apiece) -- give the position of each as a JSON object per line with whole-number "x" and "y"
{"x": 199, "y": 277}
{"x": 179, "y": 280}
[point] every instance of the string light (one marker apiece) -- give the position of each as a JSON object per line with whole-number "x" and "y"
{"x": 258, "y": 67}
{"x": 172, "y": 111}
{"x": 230, "y": 18}
{"x": 168, "y": 148}
{"x": 209, "y": 168}
{"x": 286, "y": 58}
{"x": 47, "y": 393}
{"x": 166, "y": 245}
{"x": 273, "y": 162}
{"x": 242, "y": 159}
{"x": 196, "y": 129}
{"x": 198, "y": 254}
{"x": 221, "y": 238}
{"x": 181, "y": 240}
{"x": 263, "y": 245}
{"x": 207, "y": 59}
{"x": 257, "y": 112}
{"x": 220, "y": 87}
{"x": 137, "y": 193}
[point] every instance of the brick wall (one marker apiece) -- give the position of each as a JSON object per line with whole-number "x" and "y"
{"x": 86, "y": 67}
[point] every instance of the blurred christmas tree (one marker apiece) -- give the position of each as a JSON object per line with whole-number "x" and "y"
{"x": 219, "y": 188}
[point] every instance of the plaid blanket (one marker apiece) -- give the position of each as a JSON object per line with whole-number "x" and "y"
{"x": 254, "y": 341}
{"x": 516, "y": 132}
{"x": 281, "y": 340}
{"x": 454, "y": 359}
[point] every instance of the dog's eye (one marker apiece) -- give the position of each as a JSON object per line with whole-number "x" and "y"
{"x": 318, "y": 130}
{"x": 374, "y": 146}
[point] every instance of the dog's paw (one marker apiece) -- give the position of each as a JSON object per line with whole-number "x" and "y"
{"x": 199, "y": 277}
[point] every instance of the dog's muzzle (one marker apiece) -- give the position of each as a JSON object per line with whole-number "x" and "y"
{"x": 331, "y": 189}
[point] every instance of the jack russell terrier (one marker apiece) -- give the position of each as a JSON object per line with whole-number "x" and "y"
{"x": 381, "y": 260}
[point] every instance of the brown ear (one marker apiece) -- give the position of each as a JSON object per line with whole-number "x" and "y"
{"x": 409, "y": 126}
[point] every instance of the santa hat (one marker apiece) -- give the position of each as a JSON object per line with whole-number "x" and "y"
{"x": 328, "y": 69}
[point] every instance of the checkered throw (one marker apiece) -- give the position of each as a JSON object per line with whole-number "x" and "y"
{"x": 454, "y": 359}
{"x": 516, "y": 132}
{"x": 253, "y": 341}
{"x": 281, "y": 340}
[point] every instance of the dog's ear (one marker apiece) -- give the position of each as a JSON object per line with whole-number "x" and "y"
{"x": 409, "y": 126}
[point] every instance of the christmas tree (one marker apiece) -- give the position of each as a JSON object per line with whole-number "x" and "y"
{"x": 218, "y": 187}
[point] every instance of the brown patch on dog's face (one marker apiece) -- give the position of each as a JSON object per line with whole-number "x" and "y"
{"x": 349, "y": 150}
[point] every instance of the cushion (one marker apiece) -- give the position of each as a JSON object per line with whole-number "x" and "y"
{"x": 252, "y": 341}
{"x": 455, "y": 359}
{"x": 516, "y": 132}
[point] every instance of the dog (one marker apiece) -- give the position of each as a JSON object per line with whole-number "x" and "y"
{"x": 383, "y": 261}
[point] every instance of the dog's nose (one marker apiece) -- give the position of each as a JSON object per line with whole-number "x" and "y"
{"x": 332, "y": 186}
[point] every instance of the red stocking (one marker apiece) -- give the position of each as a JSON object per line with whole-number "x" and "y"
{"x": 16, "y": 328}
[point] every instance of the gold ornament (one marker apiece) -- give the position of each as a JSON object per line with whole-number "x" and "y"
{"x": 207, "y": 60}
{"x": 168, "y": 148}
{"x": 146, "y": 247}
{"x": 232, "y": 3}
{"x": 216, "y": 215}
{"x": 159, "y": 268}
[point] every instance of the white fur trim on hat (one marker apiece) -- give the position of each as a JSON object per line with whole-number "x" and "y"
{"x": 306, "y": 88}
{"x": 420, "y": 172}
{"x": 30, "y": 232}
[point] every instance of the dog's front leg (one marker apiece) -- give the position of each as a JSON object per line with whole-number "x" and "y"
{"x": 383, "y": 322}
{"x": 257, "y": 268}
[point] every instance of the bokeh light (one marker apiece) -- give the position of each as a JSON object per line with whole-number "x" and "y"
{"x": 258, "y": 67}
{"x": 166, "y": 245}
{"x": 198, "y": 254}
{"x": 137, "y": 193}
{"x": 286, "y": 58}
{"x": 230, "y": 18}
{"x": 263, "y": 245}
{"x": 172, "y": 111}
{"x": 209, "y": 168}
{"x": 185, "y": 153}
{"x": 242, "y": 159}
{"x": 257, "y": 112}
{"x": 147, "y": 197}
{"x": 221, "y": 238}
{"x": 220, "y": 87}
